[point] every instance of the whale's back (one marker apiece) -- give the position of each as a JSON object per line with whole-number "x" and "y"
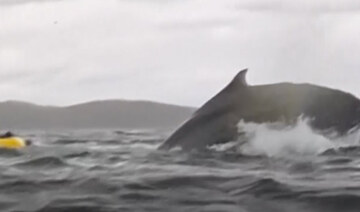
{"x": 327, "y": 108}
{"x": 216, "y": 121}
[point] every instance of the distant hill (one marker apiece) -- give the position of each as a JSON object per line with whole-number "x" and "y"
{"x": 96, "y": 114}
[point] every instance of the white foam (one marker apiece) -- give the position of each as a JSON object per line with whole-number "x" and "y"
{"x": 278, "y": 140}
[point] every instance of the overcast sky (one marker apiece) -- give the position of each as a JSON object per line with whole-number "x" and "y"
{"x": 62, "y": 52}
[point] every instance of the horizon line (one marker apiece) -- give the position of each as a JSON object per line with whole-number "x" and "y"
{"x": 95, "y": 100}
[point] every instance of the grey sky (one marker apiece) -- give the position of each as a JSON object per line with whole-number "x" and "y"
{"x": 175, "y": 51}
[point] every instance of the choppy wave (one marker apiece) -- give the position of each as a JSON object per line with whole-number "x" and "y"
{"x": 273, "y": 168}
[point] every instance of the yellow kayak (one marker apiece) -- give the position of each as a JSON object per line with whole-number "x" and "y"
{"x": 12, "y": 143}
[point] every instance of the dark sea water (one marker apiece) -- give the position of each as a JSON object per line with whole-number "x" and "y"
{"x": 105, "y": 170}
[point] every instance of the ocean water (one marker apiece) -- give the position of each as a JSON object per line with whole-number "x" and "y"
{"x": 272, "y": 168}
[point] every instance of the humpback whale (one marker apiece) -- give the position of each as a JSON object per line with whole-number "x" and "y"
{"x": 216, "y": 121}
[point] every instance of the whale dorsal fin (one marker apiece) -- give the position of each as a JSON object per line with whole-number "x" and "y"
{"x": 239, "y": 80}
{"x": 223, "y": 98}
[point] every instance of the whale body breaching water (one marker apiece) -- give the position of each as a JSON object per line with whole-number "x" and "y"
{"x": 216, "y": 121}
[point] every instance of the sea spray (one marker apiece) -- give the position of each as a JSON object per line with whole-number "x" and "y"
{"x": 280, "y": 140}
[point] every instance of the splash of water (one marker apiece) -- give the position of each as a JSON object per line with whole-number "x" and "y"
{"x": 279, "y": 140}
